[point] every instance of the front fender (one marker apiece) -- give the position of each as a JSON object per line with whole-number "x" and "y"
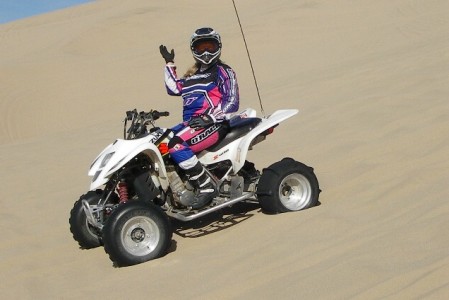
{"x": 117, "y": 154}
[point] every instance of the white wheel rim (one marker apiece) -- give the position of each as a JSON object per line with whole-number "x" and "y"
{"x": 140, "y": 236}
{"x": 295, "y": 192}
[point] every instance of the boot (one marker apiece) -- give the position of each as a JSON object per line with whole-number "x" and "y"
{"x": 205, "y": 189}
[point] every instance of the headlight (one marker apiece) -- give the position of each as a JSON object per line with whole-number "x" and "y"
{"x": 106, "y": 159}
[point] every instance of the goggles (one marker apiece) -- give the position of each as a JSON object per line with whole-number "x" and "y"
{"x": 201, "y": 46}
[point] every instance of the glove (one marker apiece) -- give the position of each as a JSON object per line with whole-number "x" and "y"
{"x": 201, "y": 121}
{"x": 168, "y": 56}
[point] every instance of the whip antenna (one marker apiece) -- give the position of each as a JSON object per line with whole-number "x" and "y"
{"x": 249, "y": 57}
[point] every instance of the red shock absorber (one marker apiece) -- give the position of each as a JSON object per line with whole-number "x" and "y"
{"x": 122, "y": 189}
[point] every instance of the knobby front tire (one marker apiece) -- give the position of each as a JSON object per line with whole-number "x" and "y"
{"x": 136, "y": 232}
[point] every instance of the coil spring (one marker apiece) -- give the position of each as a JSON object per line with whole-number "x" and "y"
{"x": 122, "y": 189}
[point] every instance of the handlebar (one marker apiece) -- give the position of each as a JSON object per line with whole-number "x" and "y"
{"x": 139, "y": 121}
{"x": 151, "y": 115}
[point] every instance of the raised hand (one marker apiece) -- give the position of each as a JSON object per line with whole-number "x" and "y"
{"x": 168, "y": 56}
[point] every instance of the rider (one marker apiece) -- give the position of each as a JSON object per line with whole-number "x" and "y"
{"x": 210, "y": 94}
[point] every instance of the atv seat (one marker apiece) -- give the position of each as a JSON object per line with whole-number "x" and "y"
{"x": 238, "y": 127}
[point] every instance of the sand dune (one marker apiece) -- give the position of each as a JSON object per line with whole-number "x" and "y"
{"x": 371, "y": 81}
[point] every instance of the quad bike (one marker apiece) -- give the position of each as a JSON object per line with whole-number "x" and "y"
{"x": 136, "y": 188}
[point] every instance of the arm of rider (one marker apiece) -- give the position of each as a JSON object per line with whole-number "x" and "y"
{"x": 201, "y": 121}
{"x": 168, "y": 56}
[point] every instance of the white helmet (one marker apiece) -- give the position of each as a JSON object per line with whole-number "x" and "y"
{"x": 205, "y": 44}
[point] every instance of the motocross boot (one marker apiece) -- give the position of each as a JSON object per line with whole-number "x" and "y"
{"x": 205, "y": 189}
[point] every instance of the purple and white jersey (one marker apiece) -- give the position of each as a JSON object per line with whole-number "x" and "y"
{"x": 214, "y": 91}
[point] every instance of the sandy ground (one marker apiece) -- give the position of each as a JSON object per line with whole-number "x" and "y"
{"x": 371, "y": 81}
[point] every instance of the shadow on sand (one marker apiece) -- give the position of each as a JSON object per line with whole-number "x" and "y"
{"x": 216, "y": 221}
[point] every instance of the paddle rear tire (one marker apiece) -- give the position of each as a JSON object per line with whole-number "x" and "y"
{"x": 287, "y": 185}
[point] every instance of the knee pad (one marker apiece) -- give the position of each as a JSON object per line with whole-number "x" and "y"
{"x": 175, "y": 141}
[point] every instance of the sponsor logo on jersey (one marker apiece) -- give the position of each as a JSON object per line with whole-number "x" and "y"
{"x": 189, "y": 100}
{"x": 198, "y": 76}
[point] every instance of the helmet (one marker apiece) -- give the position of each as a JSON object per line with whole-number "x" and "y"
{"x": 205, "y": 44}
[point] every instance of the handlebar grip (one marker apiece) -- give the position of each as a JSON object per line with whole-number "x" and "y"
{"x": 157, "y": 114}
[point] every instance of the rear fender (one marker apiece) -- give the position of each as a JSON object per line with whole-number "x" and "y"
{"x": 267, "y": 123}
{"x": 229, "y": 151}
{"x": 237, "y": 151}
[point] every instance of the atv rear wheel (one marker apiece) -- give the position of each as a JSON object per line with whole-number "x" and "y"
{"x": 85, "y": 234}
{"x": 136, "y": 232}
{"x": 287, "y": 185}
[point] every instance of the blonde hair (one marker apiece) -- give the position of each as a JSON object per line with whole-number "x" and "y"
{"x": 193, "y": 69}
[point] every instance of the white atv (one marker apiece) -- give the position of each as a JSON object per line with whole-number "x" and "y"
{"x": 136, "y": 187}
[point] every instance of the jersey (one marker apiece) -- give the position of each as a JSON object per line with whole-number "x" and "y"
{"x": 213, "y": 91}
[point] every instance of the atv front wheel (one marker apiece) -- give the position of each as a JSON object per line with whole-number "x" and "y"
{"x": 287, "y": 185}
{"x": 85, "y": 234}
{"x": 136, "y": 232}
